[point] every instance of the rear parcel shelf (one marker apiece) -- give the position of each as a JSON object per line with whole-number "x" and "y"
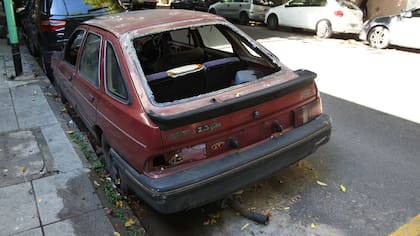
{"x": 167, "y": 122}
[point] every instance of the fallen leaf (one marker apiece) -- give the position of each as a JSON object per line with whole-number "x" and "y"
{"x": 245, "y": 226}
{"x": 321, "y": 183}
{"x": 96, "y": 183}
{"x": 69, "y": 131}
{"x": 119, "y": 203}
{"x": 312, "y": 226}
{"x": 206, "y": 222}
{"x": 129, "y": 222}
{"x": 343, "y": 188}
{"x": 239, "y": 192}
{"x": 24, "y": 169}
{"x": 117, "y": 234}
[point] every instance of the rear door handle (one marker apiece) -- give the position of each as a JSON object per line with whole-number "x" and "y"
{"x": 91, "y": 98}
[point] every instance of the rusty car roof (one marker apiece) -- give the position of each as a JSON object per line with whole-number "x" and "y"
{"x": 150, "y": 20}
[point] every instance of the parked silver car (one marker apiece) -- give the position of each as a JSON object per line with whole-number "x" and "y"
{"x": 242, "y": 10}
{"x": 401, "y": 30}
{"x": 325, "y": 17}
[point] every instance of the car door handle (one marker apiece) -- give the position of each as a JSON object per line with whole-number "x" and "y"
{"x": 91, "y": 98}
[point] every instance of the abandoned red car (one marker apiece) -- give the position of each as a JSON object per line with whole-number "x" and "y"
{"x": 187, "y": 107}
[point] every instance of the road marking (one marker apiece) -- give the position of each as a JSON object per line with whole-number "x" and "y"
{"x": 412, "y": 228}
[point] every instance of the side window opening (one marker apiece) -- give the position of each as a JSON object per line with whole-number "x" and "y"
{"x": 113, "y": 76}
{"x": 89, "y": 62}
{"x": 70, "y": 55}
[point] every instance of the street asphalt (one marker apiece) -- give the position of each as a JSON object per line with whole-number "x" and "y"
{"x": 45, "y": 187}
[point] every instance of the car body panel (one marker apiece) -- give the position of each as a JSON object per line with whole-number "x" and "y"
{"x": 295, "y": 13}
{"x": 171, "y": 146}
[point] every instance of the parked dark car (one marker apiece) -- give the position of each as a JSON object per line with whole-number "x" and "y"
{"x": 48, "y": 24}
{"x": 197, "y": 5}
{"x": 187, "y": 107}
{"x": 401, "y": 30}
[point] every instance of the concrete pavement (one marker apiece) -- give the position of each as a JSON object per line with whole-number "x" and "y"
{"x": 44, "y": 186}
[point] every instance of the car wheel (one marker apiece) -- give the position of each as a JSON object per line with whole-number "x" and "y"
{"x": 59, "y": 93}
{"x": 212, "y": 11}
{"x": 243, "y": 18}
{"x": 272, "y": 22}
{"x": 31, "y": 47}
{"x": 46, "y": 68}
{"x": 324, "y": 29}
{"x": 379, "y": 37}
{"x": 111, "y": 167}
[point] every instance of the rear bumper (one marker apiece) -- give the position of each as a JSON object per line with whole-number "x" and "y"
{"x": 216, "y": 179}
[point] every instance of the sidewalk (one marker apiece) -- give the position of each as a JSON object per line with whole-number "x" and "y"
{"x": 44, "y": 186}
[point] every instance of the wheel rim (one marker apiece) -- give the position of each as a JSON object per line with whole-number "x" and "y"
{"x": 379, "y": 37}
{"x": 323, "y": 29}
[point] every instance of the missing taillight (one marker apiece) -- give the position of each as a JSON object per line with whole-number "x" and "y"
{"x": 190, "y": 154}
{"x": 307, "y": 112}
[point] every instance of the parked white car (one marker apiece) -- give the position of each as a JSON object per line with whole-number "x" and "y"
{"x": 325, "y": 17}
{"x": 242, "y": 10}
{"x": 401, "y": 30}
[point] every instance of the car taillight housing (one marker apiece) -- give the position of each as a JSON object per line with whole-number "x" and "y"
{"x": 190, "y": 154}
{"x": 307, "y": 112}
{"x": 339, "y": 13}
{"x": 51, "y": 25}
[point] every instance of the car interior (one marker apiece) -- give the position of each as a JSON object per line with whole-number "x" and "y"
{"x": 189, "y": 62}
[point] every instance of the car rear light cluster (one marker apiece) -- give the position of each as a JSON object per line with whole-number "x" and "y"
{"x": 339, "y": 13}
{"x": 307, "y": 112}
{"x": 190, "y": 154}
{"x": 52, "y": 25}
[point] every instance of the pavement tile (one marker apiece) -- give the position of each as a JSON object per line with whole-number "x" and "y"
{"x": 18, "y": 200}
{"x": 64, "y": 155}
{"x": 31, "y": 107}
{"x": 20, "y": 157}
{"x": 62, "y": 196}
{"x": 8, "y": 120}
{"x": 89, "y": 224}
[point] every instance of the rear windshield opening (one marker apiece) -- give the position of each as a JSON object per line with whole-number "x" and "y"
{"x": 193, "y": 61}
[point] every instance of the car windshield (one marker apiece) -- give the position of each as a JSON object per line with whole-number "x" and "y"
{"x": 82, "y": 7}
{"x": 348, "y": 5}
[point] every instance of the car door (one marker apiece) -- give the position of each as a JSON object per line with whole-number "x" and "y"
{"x": 406, "y": 31}
{"x": 291, "y": 12}
{"x": 67, "y": 66}
{"x": 86, "y": 83}
{"x": 223, "y": 8}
